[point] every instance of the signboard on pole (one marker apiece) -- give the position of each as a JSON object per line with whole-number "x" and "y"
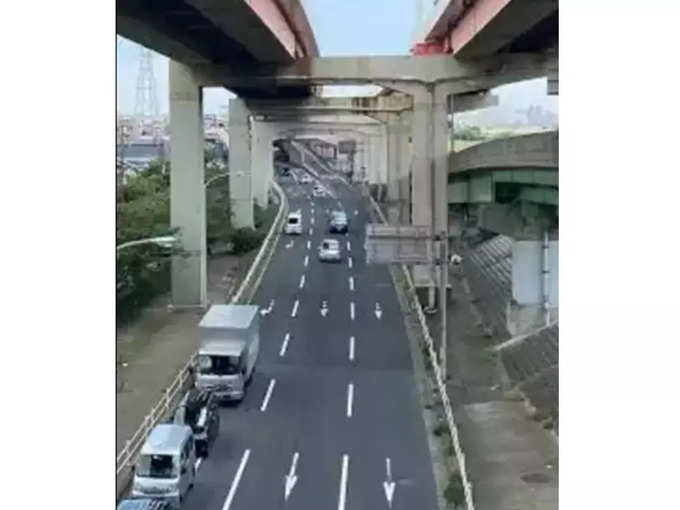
{"x": 398, "y": 244}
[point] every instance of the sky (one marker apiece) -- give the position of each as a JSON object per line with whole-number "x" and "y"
{"x": 342, "y": 28}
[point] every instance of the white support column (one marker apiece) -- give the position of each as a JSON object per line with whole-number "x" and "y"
{"x": 393, "y": 168}
{"x": 406, "y": 162}
{"x": 240, "y": 181}
{"x": 187, "y": 189}
{"x": 262, "y": 164}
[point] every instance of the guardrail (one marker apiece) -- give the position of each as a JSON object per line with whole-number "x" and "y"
{"x": 127, "y": 456}
{"x": 441, "y": 387}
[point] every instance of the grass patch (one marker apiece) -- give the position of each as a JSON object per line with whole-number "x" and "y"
{"x": 454, "y": 492}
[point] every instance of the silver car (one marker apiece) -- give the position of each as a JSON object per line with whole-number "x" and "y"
{"x": 329, "y": 251}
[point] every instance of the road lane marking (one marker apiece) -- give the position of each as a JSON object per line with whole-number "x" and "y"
{"x": 350, "y": 399}
{"x": 198, "y": 464}
{"x": 295, "y": 308}
{"x": 311, "y": 231}
{"x": 309, "y": 244}
{"x": 268, "y": 395}
{"x": 284, "y": 346}
{"x": 306, "y": 260}
{"x": 302, "y": 281}
{"x": 349, "y": 262}
{"x": 351, "y": 310}
{"x": 343, "y": 483}
{"x": 351, "y": 283}
{"x": 349, "y": 246}
{"x": 312, "y": 220}
{"x": 237, "y": 479}
{"x": 291, "y": 477}
{"x": 351, "y": 348}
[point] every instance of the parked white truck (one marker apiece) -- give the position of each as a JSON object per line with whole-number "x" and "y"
{"x": 228, "y": 346}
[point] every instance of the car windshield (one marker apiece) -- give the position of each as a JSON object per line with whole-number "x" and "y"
{"x": 156, "y": 466}
{"x": 293, "y": 221}
{"x": 218, "y": 365}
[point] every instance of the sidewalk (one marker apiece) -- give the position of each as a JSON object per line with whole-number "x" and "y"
{"x": 512, "y": 460}
{"x": 153, "y": 349}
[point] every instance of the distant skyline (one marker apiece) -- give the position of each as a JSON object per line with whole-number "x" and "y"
{"x": 341, "y": 28}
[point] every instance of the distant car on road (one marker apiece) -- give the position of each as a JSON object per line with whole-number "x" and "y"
{"x": 294, "y": 224}
{"x": 318, "y": 190}
{"x": 338, "y": 222}
{"x": 305, "y": 179}
{"x": 329, "y": 251}
{"x": 198, "y": 410}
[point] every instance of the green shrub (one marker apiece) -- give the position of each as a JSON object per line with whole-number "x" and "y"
{"x": 246, "y": 239}
{"x": 454, "y": 492}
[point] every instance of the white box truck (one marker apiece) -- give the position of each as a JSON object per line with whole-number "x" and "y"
{"x": 228, "y": 345}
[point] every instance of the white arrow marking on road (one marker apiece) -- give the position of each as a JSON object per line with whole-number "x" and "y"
{"x": 349, "y": 261}
{"x": 324, "y": 308}
{"x": 290, "y": 244}
{"x": 285, "y": 344}
{"x": 351, "y": 283}
{"x": 268, "y": 395}
{"x": 343, "y": 482}
{"x": 295, "y": 308}
{"x": 350, "y": 399}
{"x": 306, "y": 260}
{"x": 237, "y": 479}
{"x": 351, "y": 348}
{"x": 351, "y": 310}
{"x": 291, "y": 477}
{"x": 378, "y": 310}
{"x": 309, "y": 244}
{"x": 267, "y": 311}
{"x": 349, "y": 246}
{"x": 302, "y": 281}
{"x": 388, "y": 484}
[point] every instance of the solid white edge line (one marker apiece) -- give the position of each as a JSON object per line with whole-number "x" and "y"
{"x": 284, "y": 346}
{"x": 350, "y": 399}
{"x": 351, "y": 348}
{"x": 295, "y": 308}
{"x": 237, "y": 479}
{"x": 268, "y": 395}
{"x": 342, "y": 496}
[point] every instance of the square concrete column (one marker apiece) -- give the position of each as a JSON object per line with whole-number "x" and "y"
{"x": 187, "y": 188}
{"x": 405, "y": 169}
{"x": 535, "y": 290}
{"x": 262, "y": 163}
{"x": 398, "y": 164}
{"x": 240, "y": 180}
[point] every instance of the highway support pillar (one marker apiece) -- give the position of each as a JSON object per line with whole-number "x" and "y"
{"x": 187, "y": 189}
{"x": 262, "y": 162}
{"x": 240, "y": 179}
{"x": 398, "y": 131}
{"x": 535, "y": 292}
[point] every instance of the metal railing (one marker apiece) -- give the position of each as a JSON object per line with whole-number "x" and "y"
{"x": 173, "y": 393}
{"x": 441, "y": 387}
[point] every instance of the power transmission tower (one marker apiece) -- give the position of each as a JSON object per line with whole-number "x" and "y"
{"x": 146, "y": 104}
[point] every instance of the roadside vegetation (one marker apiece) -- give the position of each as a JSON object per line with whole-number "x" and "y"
{"x": 143, "y": 211}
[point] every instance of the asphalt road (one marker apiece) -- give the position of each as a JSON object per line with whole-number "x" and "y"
{"x": 343, "y": 403}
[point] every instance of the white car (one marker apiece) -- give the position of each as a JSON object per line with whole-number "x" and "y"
{"x": 305, "y": 179}
{"x": 329, "y": 251}
{"x": 318, "y": 191}
{"x": 293, "y": 224}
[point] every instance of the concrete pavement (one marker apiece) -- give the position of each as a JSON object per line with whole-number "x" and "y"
{"x": 347, "y": 408}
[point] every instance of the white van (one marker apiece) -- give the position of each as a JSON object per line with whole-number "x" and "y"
{"x": 294, "y": 223}
{"x": 166, "y": 467}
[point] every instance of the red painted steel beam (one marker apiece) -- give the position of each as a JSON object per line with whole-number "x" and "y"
{"x": 297, "y": 40}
